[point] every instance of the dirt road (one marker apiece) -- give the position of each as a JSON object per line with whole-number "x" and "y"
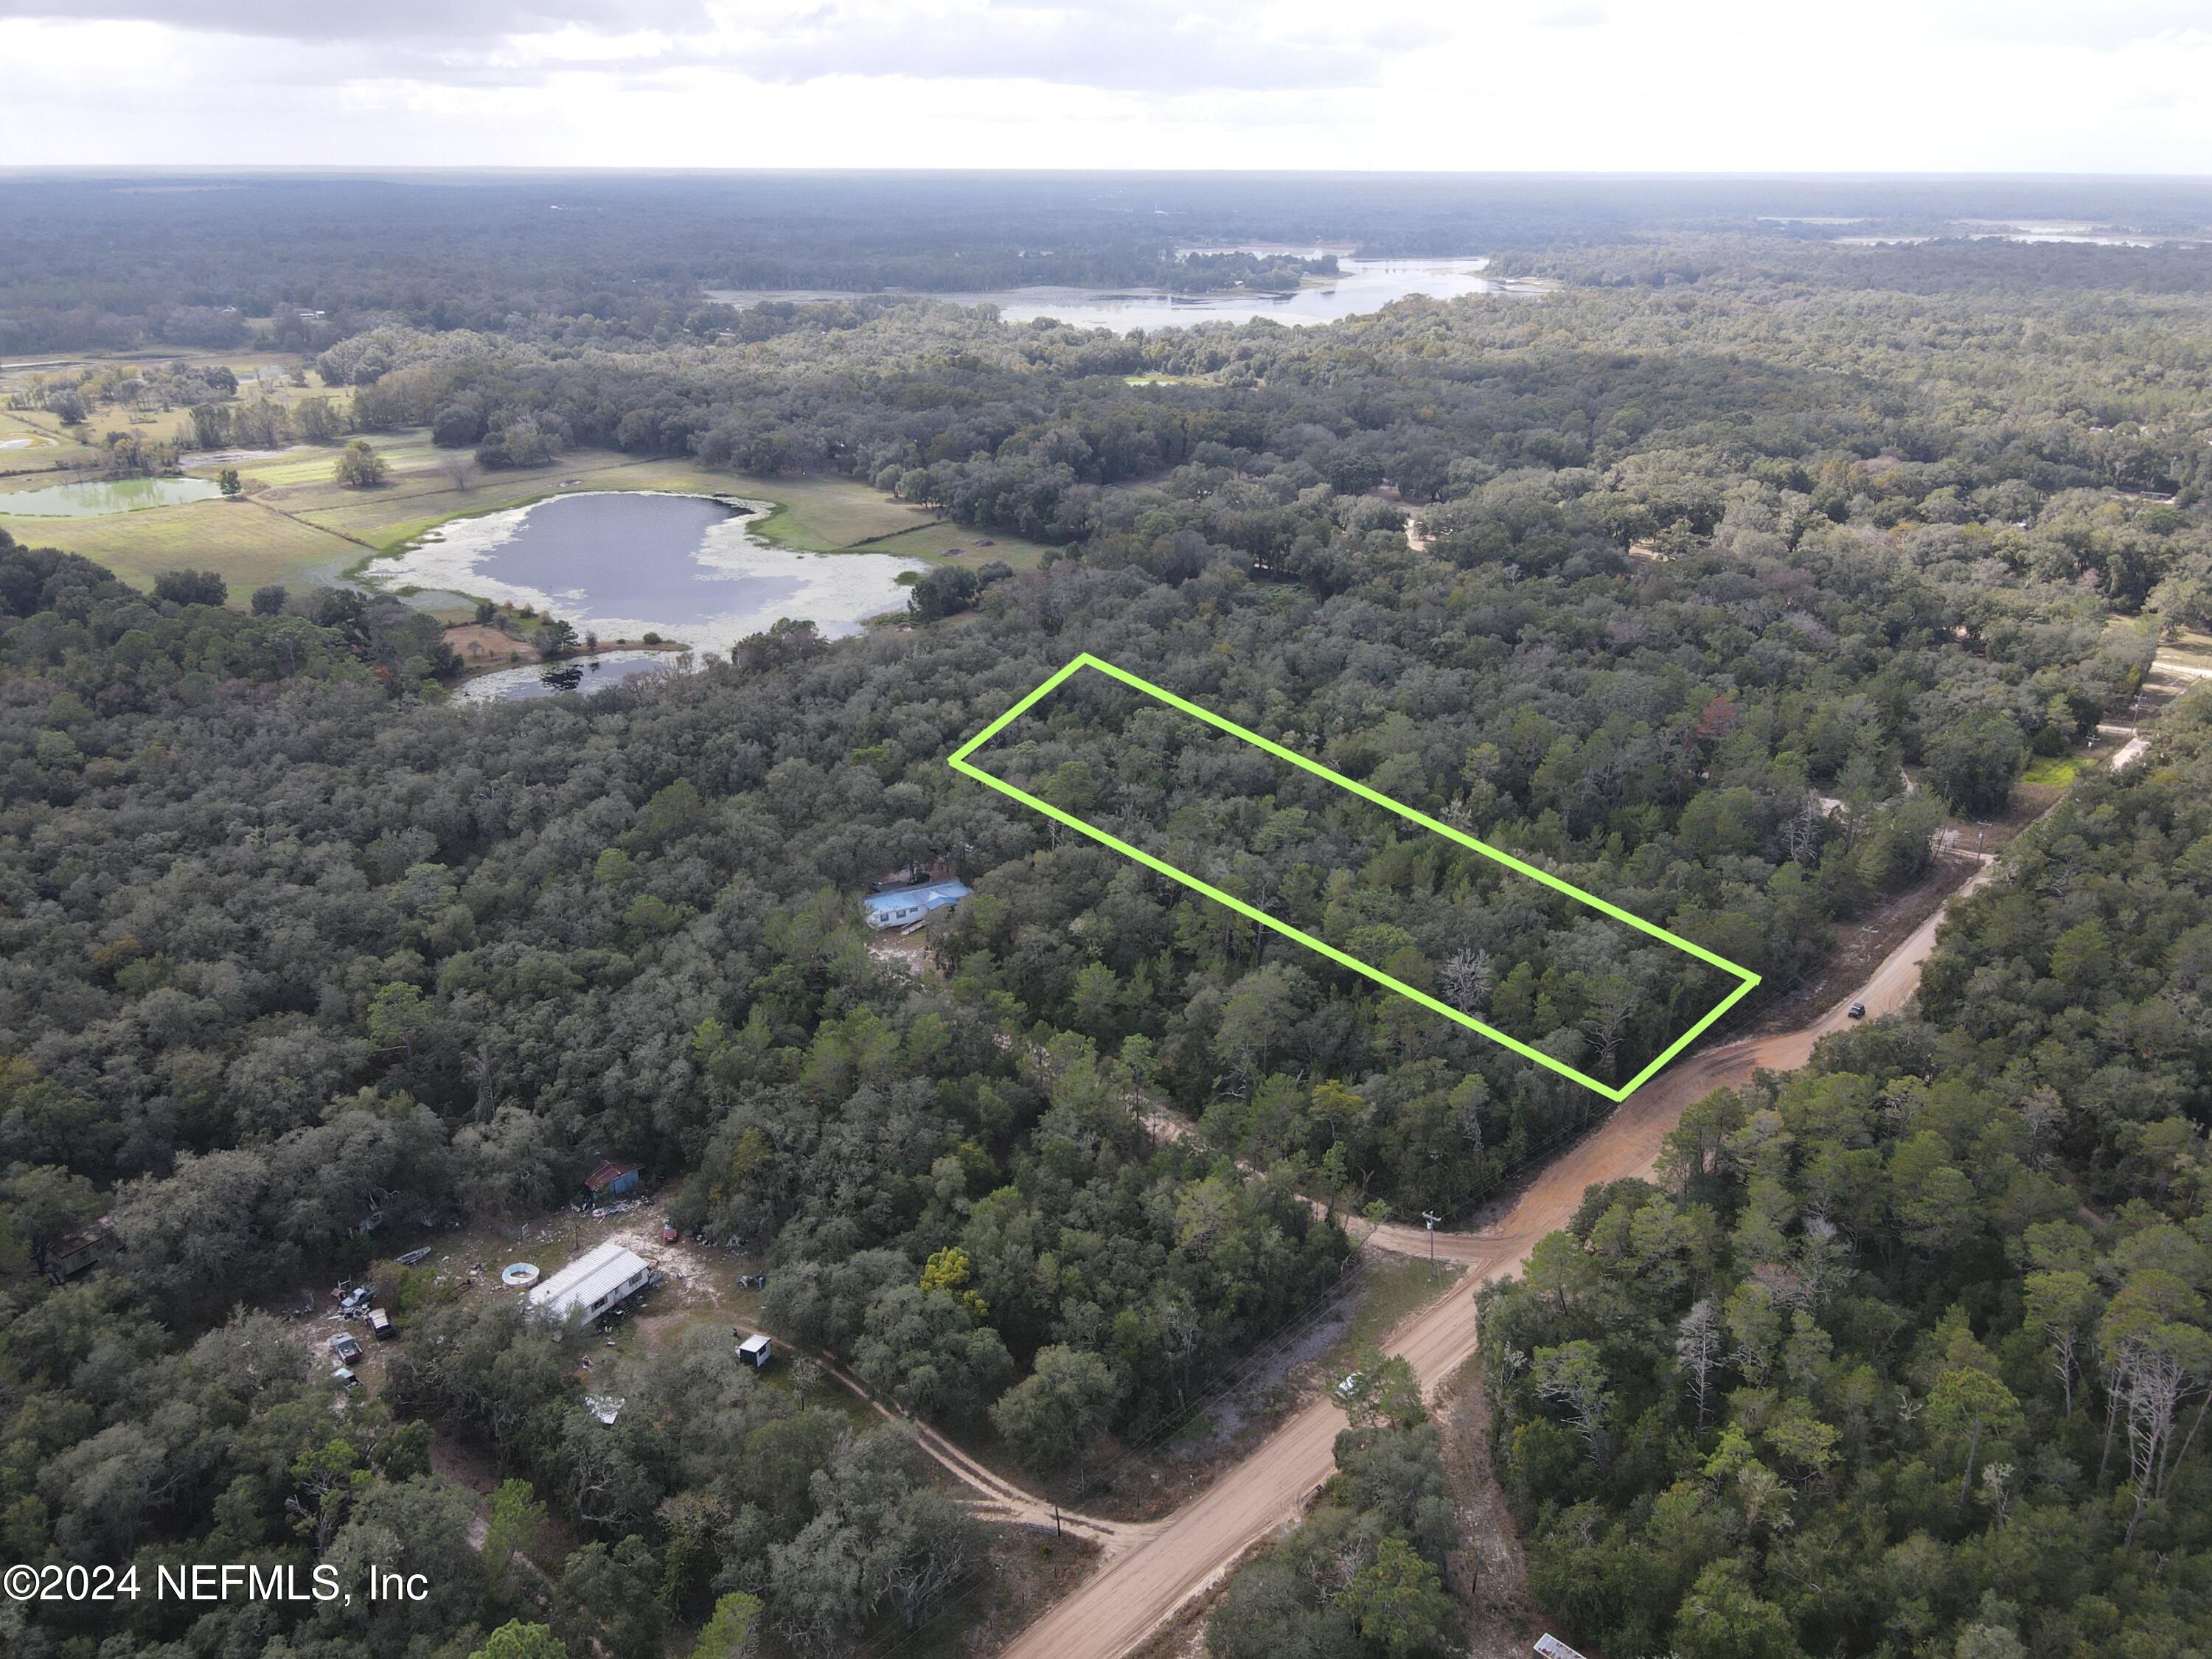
{"x": 1152, "y": 1574}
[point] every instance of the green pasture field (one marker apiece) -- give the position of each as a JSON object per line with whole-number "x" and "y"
{"x": 960, "y": 763}
{"x": 960, "y": 543}
{"x": 302, "y": 524}
{"x": 245, "y": 543}
{"x": 828, "y": 515}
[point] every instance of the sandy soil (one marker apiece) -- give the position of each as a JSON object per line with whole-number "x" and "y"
{"x": 1487, "y": 1572}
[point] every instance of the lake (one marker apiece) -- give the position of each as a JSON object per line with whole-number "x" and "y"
{"x": 621, "y": 563}
{"x": 98, "y": 499}
{"x": 1362, "y": 286}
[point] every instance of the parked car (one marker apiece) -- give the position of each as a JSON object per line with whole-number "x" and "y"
{"x": 1857, "y": 1011}
{"x": 344, "y": 1378}
{"x": 346, "y": 1346}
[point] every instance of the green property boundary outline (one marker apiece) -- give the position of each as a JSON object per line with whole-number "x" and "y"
{"x": 960, "y": 763}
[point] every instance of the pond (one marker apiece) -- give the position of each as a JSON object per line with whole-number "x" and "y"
{"x": 621, "y": 563}
{"x": 1361, "y": 286}
{"x": 552, "y": 679}
{"x": 98, "y": 499}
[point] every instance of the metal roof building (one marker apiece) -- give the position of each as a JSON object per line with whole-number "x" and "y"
{"x": 905, "y": 904}
{"x": 608, "y": 1176}
{"x": 594, "y": 1282}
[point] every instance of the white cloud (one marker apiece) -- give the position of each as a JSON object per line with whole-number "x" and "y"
{"x": 1680, "y": 85}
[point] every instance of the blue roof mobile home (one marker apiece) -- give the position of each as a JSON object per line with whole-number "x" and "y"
{"x": 902, "y": 905}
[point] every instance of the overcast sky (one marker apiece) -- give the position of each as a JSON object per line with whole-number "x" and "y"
{"x": 2123, "y": 86}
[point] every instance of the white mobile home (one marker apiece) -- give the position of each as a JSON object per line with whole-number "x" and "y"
{"x": 594, "y": 1282}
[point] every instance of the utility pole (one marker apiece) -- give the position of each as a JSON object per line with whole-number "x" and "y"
{"x": 1431, "y": 1219}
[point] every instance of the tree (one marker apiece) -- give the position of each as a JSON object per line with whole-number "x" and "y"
{"x": 46, "y": 1204}
{"x": 1613, "y": 1004}
{"x": 925, "y": 1349}
{"x": 942, "y": 590}
{"x": 191, "y": 587}
{"x": 1051, "y": 1417}
{"x": 457, "y": 425}
{"x": 949, "y": 1270}
{"x": 397, "y": 1017}
{"x": 1467, "y": 979}
{"x": 1970, "y": 1408}
{"x": 1723, "y": 1618}
{"x": 1258, "y": 1016}
{"x": 1400, "y": 1604}
{"x": 315, "y": 420}
{"x": 269, "y": 599}
{"x": 555, "y": 636}
{"x": 1571, "y": 1377}
{"x": 359, "y": 466}
{"x": 1698, "y": 1342}
{"x": 1971, "y": 762}
{"x": 516, "y": 1640}
{"x": 607, "y": 1602}
{"x": 1382, "y": 1389}
{"x": 516, "y": 1518}
{"x": 731, "y": 1632}
{"x": 2063, "y": 1303}
{"x": 230, "y": 484}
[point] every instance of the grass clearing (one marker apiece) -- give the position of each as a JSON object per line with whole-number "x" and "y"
{"x": 299, "y": 524}
{"x": 960, "y": 543}
{"x": 2055, "y": 771}
{"x": 828, "y": 515}
{"x": 246, "y": 543}
{"x": 2189, "y": 646}
{"x": 1397, "y": 1286}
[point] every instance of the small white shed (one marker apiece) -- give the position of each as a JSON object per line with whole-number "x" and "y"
{"x": 758, "y": 1349}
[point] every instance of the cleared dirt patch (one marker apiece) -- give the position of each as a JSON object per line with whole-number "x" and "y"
{"x": 478, "y": 645}
{"x": 1487, "y": 1572}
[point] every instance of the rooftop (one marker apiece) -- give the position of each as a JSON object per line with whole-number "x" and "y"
{"x": 929, "y": 896}
{"x": 591, "y": 1275}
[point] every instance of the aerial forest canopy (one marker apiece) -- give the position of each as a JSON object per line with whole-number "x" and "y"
{"x": 1910, "y": 1350}
{"x": 1712, "y": 580}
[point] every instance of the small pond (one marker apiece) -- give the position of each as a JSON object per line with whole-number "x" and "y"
{"x": 582, "y": 674}
{"x": 98, "y": 499}
{"x": 621, "y": 563}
